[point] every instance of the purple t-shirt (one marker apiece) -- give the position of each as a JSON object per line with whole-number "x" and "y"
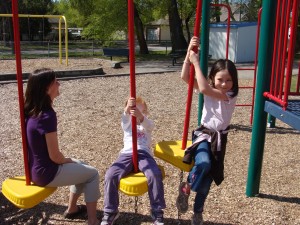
{"x": 42, "y": 168}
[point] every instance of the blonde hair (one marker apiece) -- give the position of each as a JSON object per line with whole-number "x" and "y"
{"x": 140, "y": 100}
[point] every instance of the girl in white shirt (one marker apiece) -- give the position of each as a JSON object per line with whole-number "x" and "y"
{"x": 209, "y": 140}
{"x": 124, "y": 165}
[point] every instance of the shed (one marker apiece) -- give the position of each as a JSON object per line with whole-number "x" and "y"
{"x": 242, "y": 41}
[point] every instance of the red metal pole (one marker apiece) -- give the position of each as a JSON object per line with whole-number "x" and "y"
{"x": 281, "y": 56}
{"x": 294, "y": 23}
{"x": 285, "y": 47}
{"x": 20, "y": 86}
{"x": 191, "y": 80}
{"x": 132, "y": 80}
{"x": 298, "y": 81}
{"x": 275, "y": 49}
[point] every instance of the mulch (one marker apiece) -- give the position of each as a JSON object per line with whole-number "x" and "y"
{"x": 89, "y": 129}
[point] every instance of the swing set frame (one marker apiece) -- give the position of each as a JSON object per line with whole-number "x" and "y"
{"x": 60, "y": 19}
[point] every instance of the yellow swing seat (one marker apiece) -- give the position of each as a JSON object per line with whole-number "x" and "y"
{"x": 22, "y": 195}
{"x": 135, "y": 184}
{"x": 171, "y": 152}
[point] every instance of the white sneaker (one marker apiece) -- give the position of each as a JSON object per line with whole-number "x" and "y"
{"x": 158, "y": 220}
{"x": 110, "y": 218}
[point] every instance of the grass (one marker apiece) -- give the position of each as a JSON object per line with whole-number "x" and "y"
{"x": 88, "y": 53}
{"x": 294, "y": 83}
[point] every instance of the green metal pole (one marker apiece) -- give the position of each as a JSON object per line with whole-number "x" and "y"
{"x": 263, "y": 84}
{"x": 204, "y": 49}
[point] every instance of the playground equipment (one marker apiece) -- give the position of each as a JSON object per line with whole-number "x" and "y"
{"x": 274, "y": 80}
{"x": 173, "y": 151}
{"x": 134, "y": 184}
{"x": 19, "y": 190}
{"x": 60, "y": 18}
{"x": 254, "y": 69}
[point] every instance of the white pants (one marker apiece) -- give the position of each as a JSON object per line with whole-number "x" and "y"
{"x": 82, "y": 178}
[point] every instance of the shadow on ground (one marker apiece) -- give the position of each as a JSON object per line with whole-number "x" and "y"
{"x": 295, "y": 200}
{"x": 40, "y": 214}
{"x": 276, "y": 129}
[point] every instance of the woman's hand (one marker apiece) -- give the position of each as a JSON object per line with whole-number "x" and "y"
{"x": 53, "y": 149}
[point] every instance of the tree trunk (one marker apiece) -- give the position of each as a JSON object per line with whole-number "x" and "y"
{"x": 231, "y": 14}
{"x": 187, "y": 27}
{"x": 140, "y": 32}
{"x": 177, "y": 37}
{"x": 217, "y": 12}
{"x": 6, "y": 8}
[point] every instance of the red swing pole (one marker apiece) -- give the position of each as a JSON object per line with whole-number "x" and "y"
{"x": 20, "y": 85}
{"x": 191, "y": 80}
{"x": 132, "y": 80}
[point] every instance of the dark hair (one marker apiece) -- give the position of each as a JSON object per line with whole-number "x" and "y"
{"x": 225, "y": 64}
{"x": 36, "y": 97}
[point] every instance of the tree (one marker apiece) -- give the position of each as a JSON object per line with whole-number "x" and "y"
{"x": 140, "y": 32}
{"x": 216, "y": 12}
{"x": 177, "y": 37}
{"x": 63, "y": 7}
{"x": 32, "y": 27}
{"x": 187, "y": 10}
{"x": 35, "y": 27}
{"x": 231, "y": 14}
{"x": 107, "y": 19}
{"x": 7, "y": 28}
{"x": 252, "y": 8}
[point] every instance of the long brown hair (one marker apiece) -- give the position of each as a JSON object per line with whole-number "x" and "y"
{"x": 225, "y": 64}
{"x": 36, "y": 97}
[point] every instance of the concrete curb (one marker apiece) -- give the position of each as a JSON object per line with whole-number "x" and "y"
{"x": 77, "y": 74}
{"x": 64, "y": 74}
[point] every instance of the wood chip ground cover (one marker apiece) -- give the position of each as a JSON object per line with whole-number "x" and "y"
{"x": 89, "y": 129}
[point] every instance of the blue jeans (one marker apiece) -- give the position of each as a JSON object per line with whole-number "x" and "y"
{"x": 199, "y": 177}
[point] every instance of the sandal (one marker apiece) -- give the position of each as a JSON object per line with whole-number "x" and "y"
{"x": 81, "y": 210}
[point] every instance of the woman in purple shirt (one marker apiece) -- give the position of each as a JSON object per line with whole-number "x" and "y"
{"x": 48, "y": 166}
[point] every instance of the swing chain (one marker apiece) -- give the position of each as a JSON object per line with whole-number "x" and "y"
{"x": 178, "y": 217}
{"x": 180, "y": 181}
{"x": 136, "y": 204}
{"x": 181, "y": 176}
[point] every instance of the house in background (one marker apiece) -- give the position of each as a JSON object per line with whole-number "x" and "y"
{"x": 238, "y": 13}
{"x": 158, "y": 31}
{"x": 242, "y": 41}
{"x": 242, "y": 37}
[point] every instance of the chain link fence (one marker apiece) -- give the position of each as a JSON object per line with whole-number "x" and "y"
{"x": 44, "y": 49}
